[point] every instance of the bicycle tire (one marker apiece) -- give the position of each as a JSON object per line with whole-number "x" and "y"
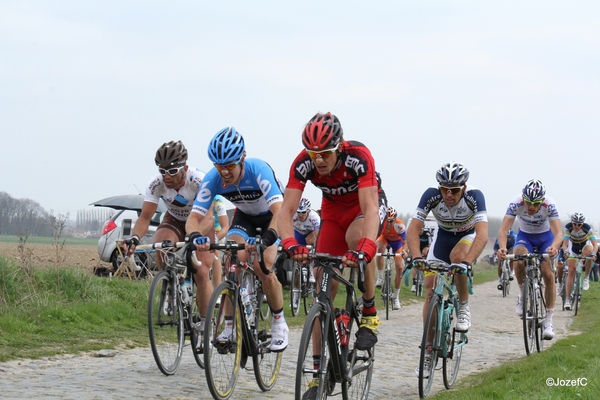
{"x": 452, "y": 353}
{"x": 295, "y": 287}
{"x": 539, "y": 317}
{"x": 305, "y": 371}
{"x": 420, "y": 280}
{"x": 166, "y": 332}
{"x": 577, "y": 293}
{"x": 431, "y": 323}
{"x": 360, "y": 365}
{"x": 529, "y": 313}
{"x": 222, "y": 358}
{"x": 308, "y": 299}
{"x": 266, "y": 363}
{"x": 387, "y": 293}
{"x": 195, "y": 336}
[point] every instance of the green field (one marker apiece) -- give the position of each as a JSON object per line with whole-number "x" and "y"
{"x": 71, "y": 241}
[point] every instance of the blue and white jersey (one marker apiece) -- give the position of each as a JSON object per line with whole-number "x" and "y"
{"x": 179, "y": 202}
{"x": 536, "y": 223}
{"x": 310, "y": 224}
{"x": 459, "y": 219}
{"x": 257, "y": 190}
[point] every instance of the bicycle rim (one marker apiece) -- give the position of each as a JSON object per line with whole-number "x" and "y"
{"x": 420, "y": 279}
{"x": 360, "y": 364}
{"x": 307, "y": 300}
{"x": 194, "y": 333}
{"x": 387, "y": 294}
{"x": 295, "y": 286}
{"x": 529, "y": 323}
{"x": 454, "y": 344}
{"x": 305, "y": 368}
{"x": 266, "y": 363}
{"x": 431, "y": 324}
{"x": 166, "y": 332}
{"x": 577, "y": 295}
{"x": 222, "y": 357}
{"x": 539, "y": 318}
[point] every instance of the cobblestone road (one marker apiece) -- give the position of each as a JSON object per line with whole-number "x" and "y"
{"x": 495, "y": 336}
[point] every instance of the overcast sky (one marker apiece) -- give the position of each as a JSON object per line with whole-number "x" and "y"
{"x": 90, "y": 90}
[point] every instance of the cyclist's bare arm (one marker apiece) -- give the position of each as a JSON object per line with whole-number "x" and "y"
{"x": 507, "y": 223}
{"x": 224, "y": 222}
{"x": 197, "y": 222}
{"x": 556, "y": 229}
{"x": 412, "y": 238}
{"x": 142, "y": 223}
{"x": 479, "y": 243}
{"x": 285, "y": 224}
{"x": 311, "y": 238}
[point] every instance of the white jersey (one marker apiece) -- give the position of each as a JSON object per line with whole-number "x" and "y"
{"x": 179, "y": 202}
{"x": 537, "y": 223}
{"x": 311, "y": 223}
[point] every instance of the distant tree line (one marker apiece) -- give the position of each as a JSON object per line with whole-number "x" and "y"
{"x": 24, "y": 217}
{"x": 92, "y": 220}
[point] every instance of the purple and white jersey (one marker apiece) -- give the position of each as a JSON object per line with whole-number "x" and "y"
{"x": 537, "y": 223}
{"x": 311, "y": 223}
{"x": 179, "y": 202}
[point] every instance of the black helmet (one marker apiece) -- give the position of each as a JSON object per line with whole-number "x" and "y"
{"x": 171, "y": 153}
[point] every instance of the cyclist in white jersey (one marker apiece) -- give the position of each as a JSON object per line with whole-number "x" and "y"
{"x": 306, "y": 223}
{"x": 578, "y": 239}
{"x": 250, "y": 184}
{"x": 539, "y": 229}
{"x": 177, "y": 184}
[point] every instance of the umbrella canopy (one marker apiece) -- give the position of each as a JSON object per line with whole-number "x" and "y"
{"x": 127, "y": 202}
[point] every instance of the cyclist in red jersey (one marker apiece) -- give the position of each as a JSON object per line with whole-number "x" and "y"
{"x": 352, "y": 209}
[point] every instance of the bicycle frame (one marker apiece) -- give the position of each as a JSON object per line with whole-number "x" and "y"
{"x": 386, "y": 290}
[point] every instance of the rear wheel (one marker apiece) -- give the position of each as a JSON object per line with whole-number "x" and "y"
{"x": 195, "y": 332}
{"x": 308, "y": 375}
{"x": 431, "y": 335}
{"x": 360, "y": 363}
{"x": 222, "y": 342}
{"x": 577, "y": 293}
{"x": 452, "y": 353}
{"x": 386, "y": 292}
{"x": 165, "y": 323}
{"x": 266, "y": 363}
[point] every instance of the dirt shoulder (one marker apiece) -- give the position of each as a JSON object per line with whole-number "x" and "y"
{"x": 44, "y": 255}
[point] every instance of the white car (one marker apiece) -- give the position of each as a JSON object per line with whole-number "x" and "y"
{"x": 121, "y": 226}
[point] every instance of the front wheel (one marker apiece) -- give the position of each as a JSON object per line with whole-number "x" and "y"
{"x": 310, "y": 376}
{"x": 222, "y": 342}
{"x": 529, "y": 316}
{"x": 419, "y": 285}
{"x": 577, "y": 293}
{"x": 165, "y": 323}
{"x": 429, "y": 349}
{"x": 295, "y": 285}
{"x": 386, "y": 293}
{"x": 360, "y": 367}
{"x": 196, "y": 331}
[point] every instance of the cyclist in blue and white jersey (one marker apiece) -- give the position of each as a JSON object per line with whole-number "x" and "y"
{"x": 177, "y": 184}
{"x": 578, "y": 239}
{"x": 250, "y": 184}
{"x": 511, "y": 238}
{"x": 306, "y": 223}
{"x": 539, "y": 230}
{"x": 461, "y": 236}
{"x": 221, "y": 229}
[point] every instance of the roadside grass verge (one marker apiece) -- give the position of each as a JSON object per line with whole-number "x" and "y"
{"x": 567, "y": 370}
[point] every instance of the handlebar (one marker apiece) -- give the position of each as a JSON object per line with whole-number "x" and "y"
{"x": 168, "y": 245}
{"x": 325, "y": 258}
{"x": 526, "y": 256}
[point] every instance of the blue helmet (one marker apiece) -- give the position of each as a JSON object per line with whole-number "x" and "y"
{"x": 534, "y": 190}
{"x": 304, "y": 205}
{"x": 226, "y": 147}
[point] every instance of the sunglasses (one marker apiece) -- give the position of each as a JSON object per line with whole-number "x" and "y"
{"x": 303, "y": 212}
{"x": 453, "y": 190}
{"x": 391, "y": 219}
{"x": 577, "y": 224}
{"x": 322, "y": 153}
{"x": 228, "y": 167}
{"x": 170, "y": 171}
{"x": 533, "y": 203}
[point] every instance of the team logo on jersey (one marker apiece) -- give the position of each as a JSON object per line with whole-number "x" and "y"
{"x": 356, "y": 164}
{"x": 304, "y": 168}
{"x": 204, "y": 194}
{"x": 263, "y": 184}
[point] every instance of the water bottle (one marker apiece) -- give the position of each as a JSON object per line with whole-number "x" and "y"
{"x": 342, "y": 317}
{"x": 246, "y": 300}
{"x": 186, "y": 292}
{"x": 304, "y": 274}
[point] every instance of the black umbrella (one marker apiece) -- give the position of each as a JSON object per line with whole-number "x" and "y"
{"x": 127, "y": 202}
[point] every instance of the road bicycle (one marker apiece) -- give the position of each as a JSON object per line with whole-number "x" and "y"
{"x": 532, "y": 299}
{"x": 576, "y": 293}
{"x": 172, "y": 313}
{"x": 326, "y": 337}
{"x": 300, "y": 286}
{"x": 440, "y": 338}
{"x": 417, "y": 281}
{"x": 387, "y": 289}
{"x": 238, "y": 327}
{"x": 505, "y": 278}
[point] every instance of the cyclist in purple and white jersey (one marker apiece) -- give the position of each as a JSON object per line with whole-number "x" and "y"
{"x": 306, "y": 223}
{"x": 539, "y": 230}
{"x": 578, "y": 239}
{"x": 250, "y": 184}
{"x": 177, "y": 184}
{"x": 461, "y": 236}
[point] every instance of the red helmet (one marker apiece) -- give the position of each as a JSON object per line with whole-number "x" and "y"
{"x": 323, "y": 131}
